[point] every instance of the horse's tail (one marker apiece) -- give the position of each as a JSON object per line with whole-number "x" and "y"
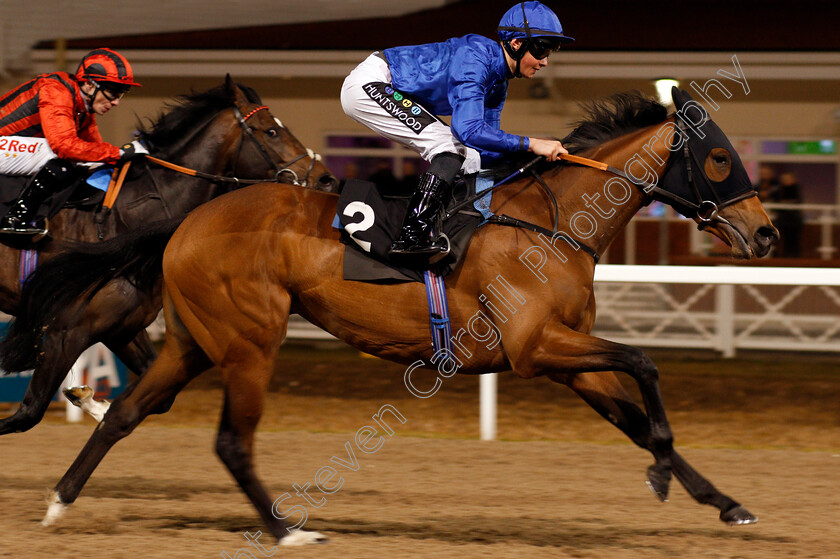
{"x": 73, "y": 277}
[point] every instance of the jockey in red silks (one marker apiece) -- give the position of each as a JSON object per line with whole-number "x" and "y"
{"x": 49, "y": 123}
{"x": 398, "y": 93}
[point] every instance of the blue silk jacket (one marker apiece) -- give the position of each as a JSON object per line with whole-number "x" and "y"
{"x": 466, "y": 77}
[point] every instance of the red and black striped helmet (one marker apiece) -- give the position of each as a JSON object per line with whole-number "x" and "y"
{"x": 105, "y": 65}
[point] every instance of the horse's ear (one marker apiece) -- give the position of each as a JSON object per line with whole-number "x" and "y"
{"x": 680, "y": 97}
{"x": 234, "y": 91}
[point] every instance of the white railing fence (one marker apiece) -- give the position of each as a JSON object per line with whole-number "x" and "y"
{"x": 722, "y": 308}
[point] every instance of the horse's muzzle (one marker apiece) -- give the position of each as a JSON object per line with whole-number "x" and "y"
{"x": 765, "y": 237}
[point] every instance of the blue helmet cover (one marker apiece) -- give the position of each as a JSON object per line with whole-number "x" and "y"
{"x": 542, "y": 22}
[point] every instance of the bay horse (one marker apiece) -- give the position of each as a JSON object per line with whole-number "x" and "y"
{"x": 281, "y": 256}
{"x": 223, "y": 134}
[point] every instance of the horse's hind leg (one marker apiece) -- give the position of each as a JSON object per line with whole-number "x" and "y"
{"x": 246, "y": 370}
{"x": 138, "y": 356}
{"x": 564, "y": 352}
{"x": 244, "y": 393}
{"x": 607, "y": 396}
{"x": 180, "y": 360}
{"x": 111, "y": 316}
{"x": 119, "y": 314}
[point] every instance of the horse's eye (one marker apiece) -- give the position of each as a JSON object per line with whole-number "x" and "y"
{"x": 271, "y": 132}
{"x": 718, "y": 164}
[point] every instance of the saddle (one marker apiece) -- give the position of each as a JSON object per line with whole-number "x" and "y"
{"x": 78, "y": 194}
{"x": 370, "y": 221}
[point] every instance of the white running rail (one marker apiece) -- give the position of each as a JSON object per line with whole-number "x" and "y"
{"x": 722, "y": 308}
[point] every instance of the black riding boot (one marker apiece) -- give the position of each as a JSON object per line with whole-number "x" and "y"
{"x": 19, "y": 219}
{"x": 416, "y": 240}
{"x": 423, "y": 209}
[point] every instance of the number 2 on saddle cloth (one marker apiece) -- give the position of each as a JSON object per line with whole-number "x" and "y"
{"x": 370, "y": 221}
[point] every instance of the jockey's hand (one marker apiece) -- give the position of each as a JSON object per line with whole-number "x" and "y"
{"x": 550, "y": 149}
{"x": 131, "y": 151}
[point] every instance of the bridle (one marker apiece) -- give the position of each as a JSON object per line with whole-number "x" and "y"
{"x": 279, "y": 175}
{"x": 706, "y": 211}
{"x": 278, "y": 170}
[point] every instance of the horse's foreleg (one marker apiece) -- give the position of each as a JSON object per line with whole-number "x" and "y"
{"x": 564, "y": 352}
{"x": 59, "y": 354}
{"x": 176, "y": 366}
{"x": 138, "y": 355}
{"x": 605, "y": 394}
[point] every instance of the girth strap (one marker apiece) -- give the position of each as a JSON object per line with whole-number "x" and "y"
{"x": 438, "y": 311}
{"x": 508, "y": 221}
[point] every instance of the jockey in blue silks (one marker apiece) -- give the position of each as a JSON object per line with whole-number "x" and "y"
{"x": 398, "y": 93}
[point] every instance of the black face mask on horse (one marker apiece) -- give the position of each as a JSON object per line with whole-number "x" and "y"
{"x": 704, "y": 174}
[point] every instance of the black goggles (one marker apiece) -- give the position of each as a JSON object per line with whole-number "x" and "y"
{"x": 111, "y": 92}
{"x": 540, "y": 47}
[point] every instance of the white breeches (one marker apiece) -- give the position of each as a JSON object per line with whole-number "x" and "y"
{"x": 367, "y": 97}
{"x": 21, "y": 155}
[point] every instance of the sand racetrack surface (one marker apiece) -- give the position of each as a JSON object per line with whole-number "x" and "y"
{"x": 560, "y": 482}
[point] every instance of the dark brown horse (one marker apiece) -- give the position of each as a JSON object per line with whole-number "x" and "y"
{"x": 225, "y": 132}
{"x": 519, "y": 301}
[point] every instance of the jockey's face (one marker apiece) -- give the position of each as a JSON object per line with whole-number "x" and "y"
{"x": 100, "y": 104}
{"x": 529, "y": 65}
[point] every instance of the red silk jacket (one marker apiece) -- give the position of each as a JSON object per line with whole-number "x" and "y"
{"x": 51, "y": 106}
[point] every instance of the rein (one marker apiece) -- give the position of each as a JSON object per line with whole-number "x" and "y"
{"x": 528, "y": 167}
{"x": 706, "y": 211}
{"x": 119, "y": 177}
{"x": 208, "y": 176}
{"x": 279, "y": 171}
{"x": 508, "y": 221}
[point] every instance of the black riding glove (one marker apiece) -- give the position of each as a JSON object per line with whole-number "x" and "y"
{"x": 131, "y": 151}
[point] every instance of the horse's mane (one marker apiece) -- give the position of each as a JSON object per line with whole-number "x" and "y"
{"x": 188, "y": 111}
{"x": 612, "y": 117}
{"x": 605, "y": 119}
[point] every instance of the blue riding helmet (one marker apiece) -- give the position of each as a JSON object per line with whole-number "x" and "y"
{"x": 531, "y": 19}
{"x": 537, "y": 26}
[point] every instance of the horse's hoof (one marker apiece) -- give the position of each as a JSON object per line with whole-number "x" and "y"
{"x": 736, "y": 516}
{"x": 54, "y": 511}
{"x": 659, "y": 478}
{"x": 76, "y": 395}
{"x": 302, "y": 537}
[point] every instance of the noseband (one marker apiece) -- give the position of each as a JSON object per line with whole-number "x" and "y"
{"x": 278, "y": 171}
